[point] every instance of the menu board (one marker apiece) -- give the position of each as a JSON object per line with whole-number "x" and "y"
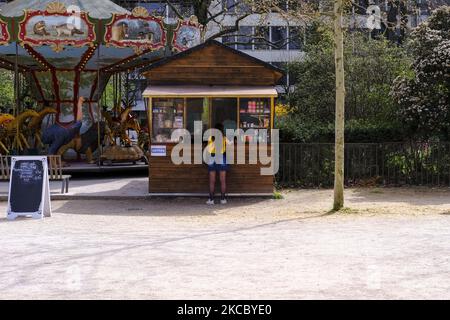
{"x": 29, "y": 193}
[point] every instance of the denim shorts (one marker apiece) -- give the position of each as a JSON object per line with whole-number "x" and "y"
{"x": 213, "y": 166}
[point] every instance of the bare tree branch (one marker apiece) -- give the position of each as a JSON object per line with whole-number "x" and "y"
{"x": 222, "y": 12}
{"x": 226, "y": 31}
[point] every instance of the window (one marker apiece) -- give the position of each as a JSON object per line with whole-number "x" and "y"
{"x": 262, "y": 38}
{"x": 236, "y": 6}
{"x": 172, "y": 14}
{"x": 224, "y": 111}
{"x": 156, "y": 9}
{"x": 229, "y": 40}
{"x": 187, "y": 10}
{"x": 168, "y": 115}
{"x": 296, "y": 38}
{"x": 197, "y": 109}
{"x": 229, "y": 6}
{"x": 245, "y": 38}
{"x": 279, "y": 38}
{"x": 243, "y": 7}
{"x": 254, "y": 113}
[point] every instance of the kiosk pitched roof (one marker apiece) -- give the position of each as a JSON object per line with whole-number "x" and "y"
{"x": 212, "y": 63}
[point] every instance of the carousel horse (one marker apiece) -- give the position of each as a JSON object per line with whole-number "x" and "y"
{"x": 130, "y": 124}
{"x": 143, "y": 140}
{"x": 15, "y": 128}
{"x": 118, "y": 126}
{"x": 34, "y": 128}
{"x": 109, "y": 136}
{"x": 89, "y": 142}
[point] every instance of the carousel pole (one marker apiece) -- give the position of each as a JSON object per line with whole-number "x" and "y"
{"x": 115, "y": 94}
{"x": 120, "y": 92}
{"x": 16, "y": 97}
{"x": 99, "y": 112}
{"x": 127, "y": 90}
{"x": 16, "y": 85}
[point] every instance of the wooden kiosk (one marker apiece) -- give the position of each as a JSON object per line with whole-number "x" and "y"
{"x": 214, "y": 84}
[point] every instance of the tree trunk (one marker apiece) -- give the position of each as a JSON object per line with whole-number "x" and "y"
{"x": 201, "y": 11}
{"x": 340, "y": 100}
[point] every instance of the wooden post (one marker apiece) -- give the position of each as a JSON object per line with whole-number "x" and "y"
{"x": 340, "y": 105}
{"x": 149, "y": 118}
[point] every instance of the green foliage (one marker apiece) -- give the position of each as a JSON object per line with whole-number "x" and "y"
{"x": 6, "y": 90}
{"x": 423, "y": 97}
{"x": 295, "y": 129}
{"x": 278, "y": 195}
{"x": 371, "y": 67}
{"x": 108, "y": 95}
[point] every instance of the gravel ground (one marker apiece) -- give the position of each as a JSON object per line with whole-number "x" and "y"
{"x": 388, "y": 243}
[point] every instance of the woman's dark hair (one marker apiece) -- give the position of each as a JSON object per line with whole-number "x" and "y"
{"x": 219, "y": 127}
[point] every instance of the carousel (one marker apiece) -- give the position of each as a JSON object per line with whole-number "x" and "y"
{"x": 70, "y": 55}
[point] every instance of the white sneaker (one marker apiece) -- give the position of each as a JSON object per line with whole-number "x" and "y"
{"x": 210, "y": 202}
{"x": 223, "y": 201}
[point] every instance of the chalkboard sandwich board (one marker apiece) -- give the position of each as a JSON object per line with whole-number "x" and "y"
{"x": 29, "y": 188}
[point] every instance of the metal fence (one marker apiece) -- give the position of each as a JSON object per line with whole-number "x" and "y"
{"x": 394, "y": 164}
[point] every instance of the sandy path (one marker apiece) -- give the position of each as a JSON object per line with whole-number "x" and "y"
{"x": 391, "y": 243}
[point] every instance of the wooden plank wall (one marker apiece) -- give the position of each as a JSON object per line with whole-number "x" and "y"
{"x": 212, "y": 65}
{"x": 166, "y": 177}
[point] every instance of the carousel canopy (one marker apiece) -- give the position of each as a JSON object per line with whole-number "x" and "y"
{"x": 98, "y": 9}
{"x": 70, "y": 48}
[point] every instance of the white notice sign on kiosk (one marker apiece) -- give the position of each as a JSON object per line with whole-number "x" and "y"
{"x": 158, "y": 151}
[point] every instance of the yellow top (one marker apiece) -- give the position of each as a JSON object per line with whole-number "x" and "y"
{"x": 212, "y": 146}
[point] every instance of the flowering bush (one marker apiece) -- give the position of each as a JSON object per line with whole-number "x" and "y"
{"x": 281, "y": 110}
{"x": 424, "y": 97}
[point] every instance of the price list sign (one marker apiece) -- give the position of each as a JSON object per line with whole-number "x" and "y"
{"x": 29, "y": 193}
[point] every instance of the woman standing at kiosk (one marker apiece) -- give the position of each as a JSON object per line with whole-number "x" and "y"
{"x": 215, "y": 166}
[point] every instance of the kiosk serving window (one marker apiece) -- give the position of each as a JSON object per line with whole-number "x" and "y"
{"x": 224, "y": 111}
{"x": 234, "y": 108}
{"x": 255, "y": 113}
{"x": 167, "y": 115}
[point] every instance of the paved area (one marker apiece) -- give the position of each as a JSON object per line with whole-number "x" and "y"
{"x": 388, "y": 243}
{"x": 132, "y": 187}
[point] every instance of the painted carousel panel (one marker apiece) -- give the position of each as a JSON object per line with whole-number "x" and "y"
{"x": 4, "y": 33}
{"x": 188, "y": 34}
{"x": 56, "y": 29}
{"x": 142, "y": 33}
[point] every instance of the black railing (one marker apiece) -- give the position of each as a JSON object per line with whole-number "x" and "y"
{"x": 393, "y": 164}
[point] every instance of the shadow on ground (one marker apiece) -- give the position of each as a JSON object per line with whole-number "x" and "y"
{"x": 416, "y": 196}
{"x": 179, "y": 206}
